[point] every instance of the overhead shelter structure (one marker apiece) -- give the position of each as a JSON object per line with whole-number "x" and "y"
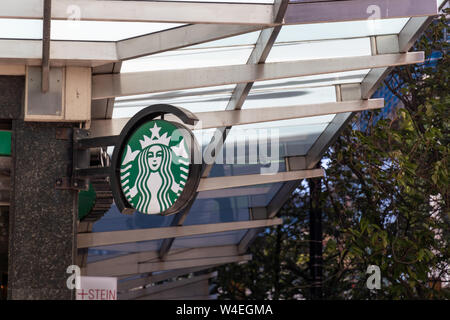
{"x": 297, "y": 70}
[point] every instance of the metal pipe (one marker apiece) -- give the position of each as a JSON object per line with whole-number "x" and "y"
{"x": 46, "y": 45}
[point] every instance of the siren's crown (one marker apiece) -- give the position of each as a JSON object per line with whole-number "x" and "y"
{"x": 156, "y": 138}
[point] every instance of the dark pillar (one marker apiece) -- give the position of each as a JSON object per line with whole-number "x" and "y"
{"x": 11, "y": 98}
{"x": 42, "y": 219}
{"x": 315, "y": 231}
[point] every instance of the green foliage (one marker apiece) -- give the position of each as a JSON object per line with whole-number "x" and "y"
{"x": 385, "y": 202}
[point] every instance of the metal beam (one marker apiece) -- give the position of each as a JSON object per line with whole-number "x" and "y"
{"x": 235, "y": 192}
{"x": 227, "y": 182}
{"x": 103, "y": 109}
{"x": 93, "y": 239}
{"x": 167, "y": 265}
{"x": 300, "y": 12}
{"x": 411, "y": 31}
{"x": 45, "y": 82}
{"x": 180, "y": 289}
{"x": 108, "y": 86}
{"x": 217, "y": 183}
{"x": 280, "y": 199}
{"x": 80, "y": 53}
{"x": 215, "y": 119}
{"x": 143, "y": 11}
{"x": 140, "y": 282}
{"x": 148, "y": 256}
{"x": 113, "y": 67}
{"x": 327, "y": 137}
{"x": 372, "y": 81}
{"x": 221, "y": 13}
{"x": 144, "y": 262}
{"x": 136, "y": 294}
{"x": 177, "y": 38}
{"x": 197, "y": 290}
{"x": 414, "y": 29}
{"x": 247, "y": 239}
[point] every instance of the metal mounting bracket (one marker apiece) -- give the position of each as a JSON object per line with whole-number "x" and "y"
{"x": 67, "y": 183}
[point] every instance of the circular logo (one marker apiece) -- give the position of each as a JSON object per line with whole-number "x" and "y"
{"x": 154, "y": 167}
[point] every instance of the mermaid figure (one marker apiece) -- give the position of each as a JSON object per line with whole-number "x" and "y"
{"x": 155, "y": 179}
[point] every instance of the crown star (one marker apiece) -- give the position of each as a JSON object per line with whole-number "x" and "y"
{"x": 155, "y": 132}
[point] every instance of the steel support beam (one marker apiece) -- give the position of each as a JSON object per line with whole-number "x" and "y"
{"x": 300, "y": 12}
{"x": 126, "y": 285}
{"x": 144, "y": 262}
{"x": 143, "y": 11}
{"x": 109, "y": 86}
{"x": 177, "y": 38}
{"x": 103, "y": 109}
{"x": 62, "y": 53}
{"x": 372, "y": 81}
{"x": 45, "y": 82}
{"x": 167, "y": 265}
{"x": 148, "y": 256}
{"x": 216, "y": 119}
{"x": 222, "y": 13}
{"x": 414, "y": 28}
{"x": 187, "y": 290}
{"x": 412, "y": 31}
{"x": 217, "y": 183}
{"x": 93, "y": 239}
{"x": 142, "y": 293}
{"x": 227, "y": 182}
{"x": 235, "y": 192}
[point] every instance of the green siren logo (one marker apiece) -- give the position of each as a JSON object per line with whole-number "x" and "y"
{"x": 154, "y": 167}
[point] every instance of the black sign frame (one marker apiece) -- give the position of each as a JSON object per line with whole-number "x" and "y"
{"x": 195, "y": 169}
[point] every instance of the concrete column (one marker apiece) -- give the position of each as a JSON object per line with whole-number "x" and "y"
{"x": 42, "y": 219}
{"x": 11, "y": 98}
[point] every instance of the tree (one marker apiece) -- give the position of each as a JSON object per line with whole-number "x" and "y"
{"x": 385, "y": 202}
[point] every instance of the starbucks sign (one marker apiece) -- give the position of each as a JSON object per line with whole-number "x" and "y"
{"x": 155, "y": 171}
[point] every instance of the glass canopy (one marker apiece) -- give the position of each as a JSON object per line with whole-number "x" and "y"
{"x": 297, "y": 136}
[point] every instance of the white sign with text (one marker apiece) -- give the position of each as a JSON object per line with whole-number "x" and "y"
{"x": 97, "y": 288}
